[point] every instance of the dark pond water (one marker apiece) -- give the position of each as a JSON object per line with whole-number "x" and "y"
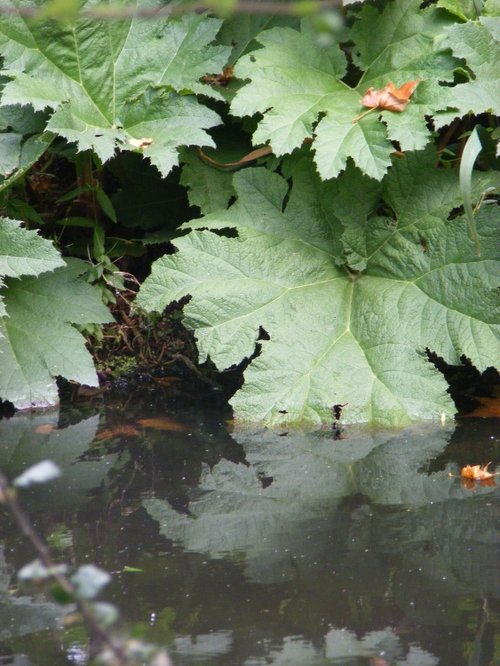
{"x": 259, "y": 548}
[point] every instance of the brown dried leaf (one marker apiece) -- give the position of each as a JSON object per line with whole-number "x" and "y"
{"x": 389, "y": 97}
{"x": 163, "y": 423}
{"x": 476, "y": 472}
{"x": 488, "y": 408}
{"x": 468, "y": 484}
{"x": 471, "y": 484}
{"x": 119, "y": 431}
{"x": 219, "y": 79}
{"x": 488, "y": 482}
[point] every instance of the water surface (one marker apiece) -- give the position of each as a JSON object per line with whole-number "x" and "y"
{"x": 260, "y": 548}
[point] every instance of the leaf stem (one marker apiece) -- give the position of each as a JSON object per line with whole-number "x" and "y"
{"x": 365, "y": 113}
{"x": 8, "y": 497}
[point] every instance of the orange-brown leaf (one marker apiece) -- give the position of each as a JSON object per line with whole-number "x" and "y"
{"x": 119, "y": 431}
{"x": 471, "y": 484}
{"x": 467, "y": 483}
{"x": 488, "y": 482}
{"x": 488, "y": 408}
{"x": 476, "y": 472}
{"x": 389, "y": 97}
{"x": 163, "y": 423}
{"x": 219, "y": 79}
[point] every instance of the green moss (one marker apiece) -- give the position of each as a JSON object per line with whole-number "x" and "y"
{"x": 120, "y": 365}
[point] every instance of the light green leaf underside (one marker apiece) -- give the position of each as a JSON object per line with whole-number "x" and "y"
{"x": 10, "y": 152}
{"x": 296, "y": 79}
{"x": 463, "y": 9}
{"x": 39, "y": 343}
{"x": 338, "y": 138}
{"x": 259, "y": 190}
{"x": 136, "y": 89}
{"x": 491, "y": 8}
{"x": 294, "y": 82}
{"x": 24, "y": 252}
{"x": 476, "y": 43}
{"x": 398, "y": 44}
{"x": 336, "y": 339}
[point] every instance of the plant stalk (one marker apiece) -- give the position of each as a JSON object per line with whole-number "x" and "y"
{"x": 9, "y": 498}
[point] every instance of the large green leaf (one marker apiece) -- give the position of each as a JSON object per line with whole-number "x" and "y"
{"x": 336, "y": 336}
{"x": 21, "y": 119}
{"x": 10, "y": 152}
{"x": 294, "y": 82}
{"x": 110, "y": 82}
{"x": 31, "y": 151}
{"x": 23, "y": 252}
{"x": 64, "y": 446}
{"x": 208, "y": 188}
{"x": 463, "y": 9}
{"x": 230, "y": 511}
{"x": 39, "y": 343}
{"x": 478, "y": 44}
{"x": 240, "y": 30}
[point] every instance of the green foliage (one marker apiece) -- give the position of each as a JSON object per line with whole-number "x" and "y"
{"x": 38, "y": 340}
{"x": 294, "y": 81}
{"x": 471, "y": 151}
{"x": 23, "y": 253}
{"x": 463, "y": 9}
{"x": 110, "y": 83}
{"x": 29, "y": 152}
{"x": 342, "y": 261}
{"x": 208, "y": 188}
{"x": 477, "y": 44}
{"x": 10, "y": 152}
{"x": 336, "y": 336}
{"x": 240, "y": 31}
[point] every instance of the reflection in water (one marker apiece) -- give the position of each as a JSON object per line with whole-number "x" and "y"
{"x": 257, "y": 549}
{"x": 22, "y": 615}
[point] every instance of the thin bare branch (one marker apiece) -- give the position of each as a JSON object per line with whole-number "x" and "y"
{"x": 8, "y": 496}
{"x": 115, "y": 12}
